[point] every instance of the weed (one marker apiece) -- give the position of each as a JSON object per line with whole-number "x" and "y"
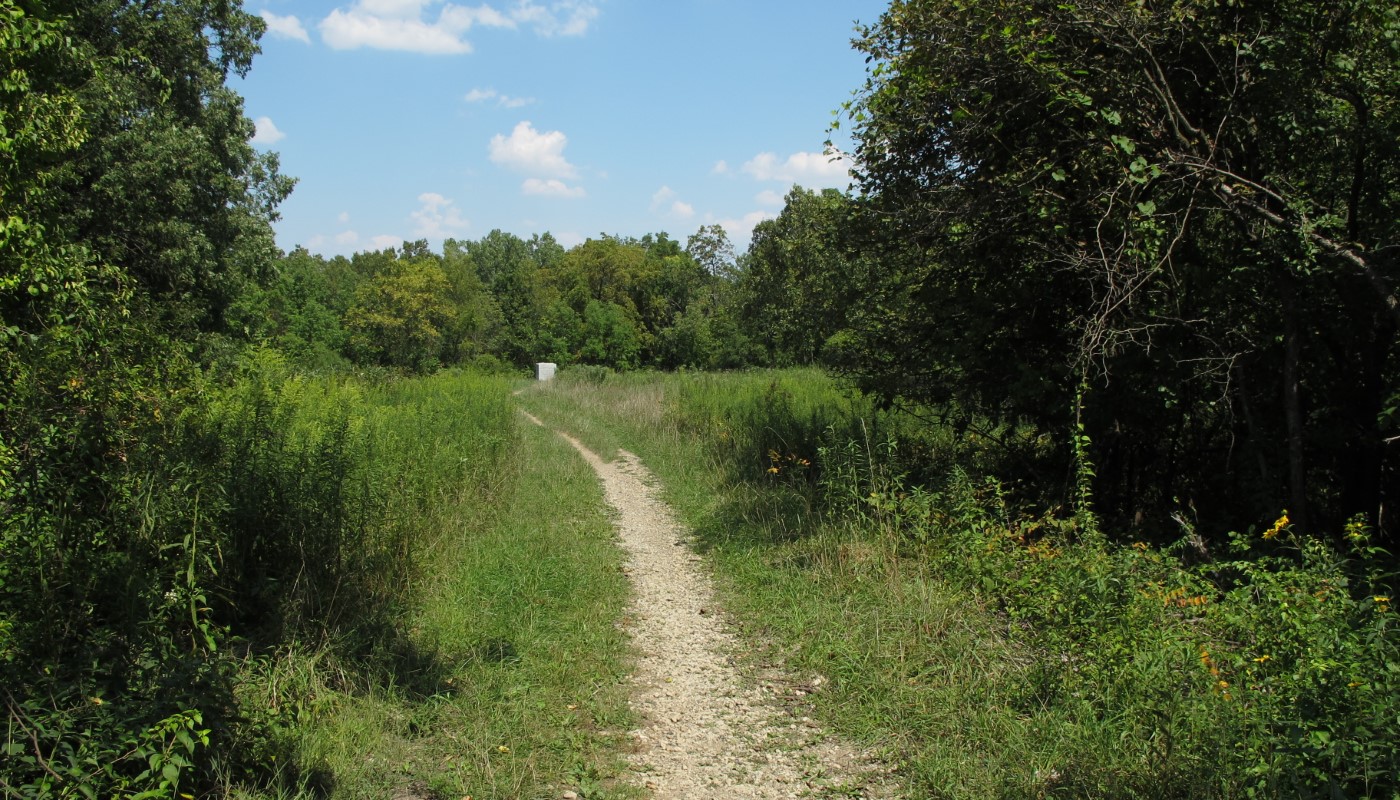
{"x": 993, "y": 650}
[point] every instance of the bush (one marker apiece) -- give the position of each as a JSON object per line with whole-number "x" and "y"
{"x": 279, "y": 509}
{"x": 1272, "y": 672}
{"x": 1269, "y": 670}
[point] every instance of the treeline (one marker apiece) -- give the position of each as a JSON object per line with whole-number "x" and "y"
{"x": 505, "y": 302}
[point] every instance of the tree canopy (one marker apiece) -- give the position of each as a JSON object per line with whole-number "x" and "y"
{"x": 1176, "y": 221}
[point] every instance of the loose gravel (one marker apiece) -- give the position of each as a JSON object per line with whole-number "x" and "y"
{"x": 709, "y": 730}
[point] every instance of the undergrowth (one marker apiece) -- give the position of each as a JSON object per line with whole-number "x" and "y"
{"x": 272, "y": 584}
{"x": 997, "y": 649}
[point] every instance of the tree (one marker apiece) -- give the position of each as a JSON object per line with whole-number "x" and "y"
{"x": 610, "y": 338}
{"x": 399, "y": 317}
{"x": 710, "y": 248}
{"x": 618, "y": 279}
{"x": 166, "y": 184}
{"x": 132, "y": 211}
{"x": 515, "y": 272}
{"x": 1189, "y": 208}
{"x": 477, "y": 328}
{"x": 297, "y": 311}
{"x": 794, "y": 279}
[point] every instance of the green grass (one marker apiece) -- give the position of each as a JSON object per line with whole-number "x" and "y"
{"x": 991, "y": 652}
{"x": 506, "y": 678}
{"x": 905, "y": 657}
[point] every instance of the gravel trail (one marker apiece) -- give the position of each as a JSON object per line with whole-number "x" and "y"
{"x": 707, "y": 730}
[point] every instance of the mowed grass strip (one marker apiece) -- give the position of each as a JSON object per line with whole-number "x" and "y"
{"x": 513, "y": 685}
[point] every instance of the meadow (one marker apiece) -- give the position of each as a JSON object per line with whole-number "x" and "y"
{"x": 318, "y": 585}
{"x": 497, "y": 671}
{"x": 366, "y": 586}
{"x": 993, "y": 649}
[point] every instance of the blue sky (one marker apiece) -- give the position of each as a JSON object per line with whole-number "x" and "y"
{"x": 410, "y": 119}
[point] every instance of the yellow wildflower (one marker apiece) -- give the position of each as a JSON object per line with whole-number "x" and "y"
{"x": 1279, "y": 525}
{"x": 1263, "y": 658}
{"x": 1356, "y": 529}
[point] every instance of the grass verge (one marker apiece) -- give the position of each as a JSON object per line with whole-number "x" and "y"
{"x": 996, "y": 652}
{"x": 508, "y": 680}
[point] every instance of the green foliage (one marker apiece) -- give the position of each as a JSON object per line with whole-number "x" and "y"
{"x": 609, "y": 337}
{"x": 1315, "y": 661}
{"x": 399, "y": 317}
{"x": 795, "y": 277}
{"x": 104, "y": 638}
{"x": 166, "y": 184}
{"x": 996, "y": 651}
{"x": 1190, "y": 202}
{"x": 622, "y": 303}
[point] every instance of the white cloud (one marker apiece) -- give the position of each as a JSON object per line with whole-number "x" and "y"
{"x": 563, "y": 18}
{"x": 740, "y": 230}
{"x": 316, "y": 242}
{"x": 404, "y": 24}
{"x": 399, "y": 25}
{"x": 721, "y": 167}
{"x": 768, "y": 197}
{"x": 661, "y": 196}
{"x": 350, "y": 30}
{"x": 383, "y": 242}
{"x": 343, "y": 217}
{"x": 665, "y": 197}
{"x": 551, "y": 188}
{"x": 289, "y": 26}
{"x": 267, "y": 133}
{"x": 502, "y": 100}
{"x": 463, "y": 17}
{"x": 347, "y": 238}
{"x": 534, "y": 153}
{"x": 812, "y": 170}
{"x": 437, "y": 216}
{"x": 569, "y": 239}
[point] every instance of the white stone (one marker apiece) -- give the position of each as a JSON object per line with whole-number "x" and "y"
{"x": 544, "y": 371}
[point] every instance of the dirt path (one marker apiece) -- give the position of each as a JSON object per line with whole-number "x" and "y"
{"x": 707, "y": 731}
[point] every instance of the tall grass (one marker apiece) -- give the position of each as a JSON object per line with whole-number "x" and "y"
{"x": 282, "y": 585}
{"x": 516, "y": 681}
{"x": 443, "y": 591}
{"x": 999, "y": 650}
{"x": 333, "y": 489}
